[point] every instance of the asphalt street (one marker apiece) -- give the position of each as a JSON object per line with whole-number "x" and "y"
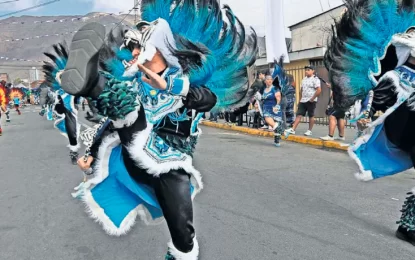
{"x": 259, "y": 203}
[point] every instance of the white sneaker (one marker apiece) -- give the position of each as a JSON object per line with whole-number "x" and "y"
{"x": 340, "y": 138}
{"x": 290, "y": 131}
{"x": 308, "y": 133}
{"x": 327, "y": 138}
{"x": 264, "y": 127}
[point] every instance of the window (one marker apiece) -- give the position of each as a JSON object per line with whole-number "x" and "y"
{"x": 317, "y": 63}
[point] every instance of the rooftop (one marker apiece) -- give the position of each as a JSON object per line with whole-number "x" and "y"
{"x": 315, "y": 16}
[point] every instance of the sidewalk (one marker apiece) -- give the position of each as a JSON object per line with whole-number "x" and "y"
{"x": 318, "y": 131}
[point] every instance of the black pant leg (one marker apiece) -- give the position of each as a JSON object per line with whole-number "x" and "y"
{"x": 227, "y": 116}
{"x": 233, "y": 116}
{"x": 257, "y": 120}
{"x": 173, "y": 194}
{"x": 71, "y": 129}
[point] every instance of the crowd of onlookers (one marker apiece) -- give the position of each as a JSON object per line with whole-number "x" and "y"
{"x": 310, "y": 90}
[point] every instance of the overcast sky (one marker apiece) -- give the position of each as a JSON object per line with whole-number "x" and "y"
{"x": 251, "y": 12}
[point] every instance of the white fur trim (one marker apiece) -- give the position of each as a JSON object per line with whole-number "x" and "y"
{"x": 128, "y": 121}
{"x": 178, "y": 255}
{"x": 98, "y": 214}
{"x": 101, "y": 172}
{"x": 148, "y": 161}
{"x": 403, "y": 95}
{"x": 60, "y": 118}
{"x": 58, "y": 76}
{"x": 101, "y": 166}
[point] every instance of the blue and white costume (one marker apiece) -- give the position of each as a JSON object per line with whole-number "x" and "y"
{"x": 58, "y": 104}
{"x": 143, "y": 148}
{"x": 269, "y": 106}
{"x": 47, "y": 101}
{"x": 371, "y": 57}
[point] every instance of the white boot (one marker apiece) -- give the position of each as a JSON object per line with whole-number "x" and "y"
{"x": 175, "y": 254}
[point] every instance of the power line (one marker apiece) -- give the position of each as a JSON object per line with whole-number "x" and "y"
{"x": 135, "y": 11}
{"x": 29, "y": 8}
{"x": 134, "y": 7}
{"x": 6, "y": 67}
{"x": 11, "y": 1}
{"x": 321, "y": 5}
{"x": 75, "y": 19}
{"x": 45, "y": 35}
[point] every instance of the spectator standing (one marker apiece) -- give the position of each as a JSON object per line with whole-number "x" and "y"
{"x": 259, "y": 83}
{"x": 213, "y": 117}
{"x": 336, "y": 117}
{"x": 310, "y": 90}
{"x": 255, "y": 114}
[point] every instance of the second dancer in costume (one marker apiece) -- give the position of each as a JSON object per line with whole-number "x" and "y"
{"x": 371, "y": 57}
{"x": 273, "y": 100}
{"x": 64, "y": 104}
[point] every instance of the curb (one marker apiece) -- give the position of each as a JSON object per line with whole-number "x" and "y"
{"x": 292, "y": 138}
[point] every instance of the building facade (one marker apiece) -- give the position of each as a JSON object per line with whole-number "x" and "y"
{"x": 308, "y": 45}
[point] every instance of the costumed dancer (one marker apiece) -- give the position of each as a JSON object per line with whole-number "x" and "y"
{"x": 64, "y": 106}
{"x": 155, "y": 82}
{"x": 283, "y": 82}
{"x": 46, "y": 101}
{"x": 371, "y": 57}
{"x": 271, "y": 108}
{"x": 16, "y": 101}
{"x": 290, "y": 95}
{"x": 3, "y": 104}
{"x": 272, "y": 100}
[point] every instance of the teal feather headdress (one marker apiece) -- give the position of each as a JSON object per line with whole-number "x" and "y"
{"x": 360, "y": 51}
{"x": 59, "y": 59}
{"x": 216, "y": 45}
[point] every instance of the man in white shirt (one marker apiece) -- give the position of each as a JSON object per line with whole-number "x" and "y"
{"x": 310, "y": 90}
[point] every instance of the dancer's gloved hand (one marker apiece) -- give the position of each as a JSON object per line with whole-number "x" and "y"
{"x": 276, "y": 109}
{"x": 362, "y": 124}
{"x": 85, "y": 165}
{"x": 153, "y": 79}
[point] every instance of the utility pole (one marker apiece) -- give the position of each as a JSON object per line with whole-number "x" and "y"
{"x": 135, "y": 11}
